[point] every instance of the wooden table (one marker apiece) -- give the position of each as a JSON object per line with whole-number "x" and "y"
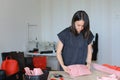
{"x": 66, "y": 76}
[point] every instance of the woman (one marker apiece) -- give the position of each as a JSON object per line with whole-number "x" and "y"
{"x": 74, "y": 45}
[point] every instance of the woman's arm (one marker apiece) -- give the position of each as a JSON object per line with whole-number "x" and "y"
{"x": 59, "y": 49}
{"x": 89, "y": 55}
{"x": 59, "y": 56}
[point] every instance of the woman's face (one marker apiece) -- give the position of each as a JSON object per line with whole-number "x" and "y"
{"x": 79, "y": 25}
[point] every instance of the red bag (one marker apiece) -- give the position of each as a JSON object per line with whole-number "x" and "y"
{"x": 10, "y": 66}
{"x": 40, "y": 62}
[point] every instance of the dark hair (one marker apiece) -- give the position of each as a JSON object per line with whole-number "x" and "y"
{"x": 81, "y": 15}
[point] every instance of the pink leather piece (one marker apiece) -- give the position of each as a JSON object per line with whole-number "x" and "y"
{"x": 78, "y": 70}
{"x": 106, "y": 69}
{"x": 27, "y": 71}
{"x": 35, "y": 71}
{"x": 110, "y": 77}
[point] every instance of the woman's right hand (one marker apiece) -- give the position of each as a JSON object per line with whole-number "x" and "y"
{"x": 65, "y": 68}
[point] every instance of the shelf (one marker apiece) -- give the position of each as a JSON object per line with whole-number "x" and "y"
{"x": 43, "y": 54}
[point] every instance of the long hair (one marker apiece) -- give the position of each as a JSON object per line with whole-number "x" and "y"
{"x": 81, "y": 15}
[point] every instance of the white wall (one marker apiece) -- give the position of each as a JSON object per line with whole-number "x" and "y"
{"x": 115, "y": 18}
{"x": 52, "y": 16}
{"x": 14, "y": 16}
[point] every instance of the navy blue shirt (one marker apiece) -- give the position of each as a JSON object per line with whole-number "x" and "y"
{"x": 75, "y": 48}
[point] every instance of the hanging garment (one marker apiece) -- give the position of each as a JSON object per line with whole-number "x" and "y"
{"x": 95, "y": 48}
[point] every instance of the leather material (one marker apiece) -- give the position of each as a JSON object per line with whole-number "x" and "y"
{"x": 78, "y": 70}
{"x": 106, "y": 69}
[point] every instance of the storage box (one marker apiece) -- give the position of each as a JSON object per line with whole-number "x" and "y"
{"x": 38, "y": 77}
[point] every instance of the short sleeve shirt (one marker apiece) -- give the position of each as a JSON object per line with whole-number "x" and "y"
{"x": 75, "y": 48}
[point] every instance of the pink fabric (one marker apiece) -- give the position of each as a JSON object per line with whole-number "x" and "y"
{"x": 35, "y": 71}
{"x": 78, "y": 70}
{"x": 110, "y": 77}
{"x": 106, "y": 69}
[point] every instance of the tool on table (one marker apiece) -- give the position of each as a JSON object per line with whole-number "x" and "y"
{"x": 56, "y": 76}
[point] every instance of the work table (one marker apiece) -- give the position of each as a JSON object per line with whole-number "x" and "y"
{"x": 66, "y": 76}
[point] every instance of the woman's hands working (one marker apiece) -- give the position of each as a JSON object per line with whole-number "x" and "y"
{"x": 65, "y": 68}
